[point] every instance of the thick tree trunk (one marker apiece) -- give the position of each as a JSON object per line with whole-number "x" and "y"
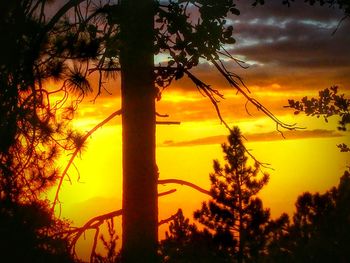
{"x": 140, "y": 209}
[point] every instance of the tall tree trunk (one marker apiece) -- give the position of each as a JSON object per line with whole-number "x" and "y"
{"x": 140, "y": 204}
{"x": 240, "y": 217}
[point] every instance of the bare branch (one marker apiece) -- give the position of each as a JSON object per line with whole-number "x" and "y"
{"x": 70, "y": 4}
{"x": 77, "y": 150}
{"x": 96, "y": 222}
{"x": 253, "y": 101}
{"x": 182, "y": 182}
{"x": 211, "y": 93}
{"x": 162, "y": 115}
{"x": 94, "y": 245}
{"x": 168, "y": 122}
{"x": 93, "y": 223}
{"x": 167, "y": 220}
{"x": 339, "y": 24}
{"x": 167, "y": 192}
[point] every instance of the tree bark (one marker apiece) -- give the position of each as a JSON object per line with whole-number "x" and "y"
{"x": 140, "y": 204}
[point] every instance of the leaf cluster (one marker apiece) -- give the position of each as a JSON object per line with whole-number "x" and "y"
{"x": 329, "y": 103}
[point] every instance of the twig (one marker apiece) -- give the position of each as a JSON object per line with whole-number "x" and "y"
{"x": 168, "y": 122}
{"x": 93, "y": 223}
{"x": 182, "y": 182}
{"x": 167, "y": 192}
{"x": 253, "y": 101}
{"x": 339, "y": 23}
{"x": 210, "y": 93}
{"x": 162, "y": 115}
{"x": 93, "y": 251}
{"x": 167, "y": 220}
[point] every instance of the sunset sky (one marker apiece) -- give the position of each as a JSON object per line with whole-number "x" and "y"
{"x": 291, "y": 53}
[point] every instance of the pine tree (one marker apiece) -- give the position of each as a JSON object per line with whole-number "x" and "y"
{"x": 235, "y": 214}
{"x": 32, "y": 131}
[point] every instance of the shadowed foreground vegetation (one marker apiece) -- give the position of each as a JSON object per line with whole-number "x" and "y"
{"x": 236, "y": 228}
{"x": 42, "y": 42}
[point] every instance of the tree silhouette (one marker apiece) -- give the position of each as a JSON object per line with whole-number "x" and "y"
{"x": 235, "y": 214}
{"x": 186, "y": 41}
{"x": 29, "y": 233}
{"x": 278, "y": 240}
{"x": 34, "y": 128}
{"x": 162, "y": 28}
{"x": 102, "y": 37}
{"x": 35, "y": 124}
{"x": 185, "y": 243}
{"x": 321, "y": 225}
{"x": 320, "y": 229}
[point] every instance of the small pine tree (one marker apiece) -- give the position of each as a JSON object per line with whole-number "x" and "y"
{"x": 235, "y": 215}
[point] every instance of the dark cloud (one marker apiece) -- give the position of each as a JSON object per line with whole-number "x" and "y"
{"x": 297, "y": 37}
{"x": 292, "y": 47}
{"x": 268, "y": 136}
{"x": 297, "y": 45}
{"x": 297, "y": 10}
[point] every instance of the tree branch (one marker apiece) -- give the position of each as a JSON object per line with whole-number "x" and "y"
{"x": 93, "y": 223}
{"x": 208, "y": 92}
{"x": 253, "y": 101}
{"x": 167, "y": 220}
{"x": 77, "y": 150}
{"x": 167, "y": 192}
{"x": 70, "y": 4}
{"x": 96, "y": 222}
{"x": 168, "y": 122}
{"x": 182, "y": 182}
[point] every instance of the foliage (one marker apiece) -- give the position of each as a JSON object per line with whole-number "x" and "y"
{"x": 34, "y": 122}
{"x": 29, "y": 233}
{"x": 235, "y": 215}
{"x": 34, "y": 126}
{"x": 278, "y": 240}
{"x": 320, "y": 230}
{"x": 185, "y": 243}
{"x": 329, "y": 103}
{"x": 342, "y": 4}
{"x": 38, "y": 48}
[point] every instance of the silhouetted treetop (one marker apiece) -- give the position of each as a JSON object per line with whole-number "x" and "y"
{"x": 235, "y": 214}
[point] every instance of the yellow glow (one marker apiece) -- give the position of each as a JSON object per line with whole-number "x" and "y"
{"x": 312, "y": 164}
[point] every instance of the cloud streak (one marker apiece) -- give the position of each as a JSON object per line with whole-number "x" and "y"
{"x": 256, "y": 137}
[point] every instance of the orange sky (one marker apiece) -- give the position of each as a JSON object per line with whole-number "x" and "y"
{"x": 307, "y": 160}
{"x": 289, "y": 57}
